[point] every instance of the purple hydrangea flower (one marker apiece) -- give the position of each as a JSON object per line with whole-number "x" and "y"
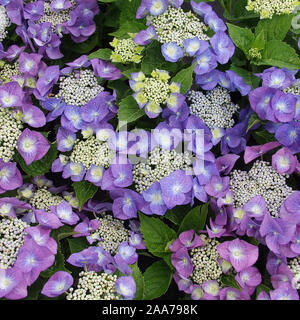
{"x": 105, "y": 69}
{"x": 11, "y": 95}
{"x": 65, "y": 139}
{"x": 201, "y": 8}
{"x": 126, "y": 203}
{"x": 176, "y": 188}
{"x": 217, "y": 186}
{"x": 283, "y": 107}
{"x": 194, "y": 46}
{"x": 73, "y": 170}
{"x": 223, "y": 46}
{"x": 32, "y": 146}
{"x": 83, "y": 258}
{"x": 290, "y": 209}
{"x": 144, "y": 37}
{"x": 277, "y": 232}
{"x": 277, "y": 78}
{"x": 154, "y": 200}
{"x": 29, "y": 63}
{"x": 65, "y": 213}
{"x": 171, "y": 51}
{"x": 214, "y": 22}
{"x": 240, "y": 253}
{"x": 126, "y": 287}
{"x": 57, "y": 284}
{"x": 156, "y": 7}
{"x": 206, "y": 62}
{"x": 10, "y": 176}
{"x": 283, "y": 161}
{"x": 182, "y": 262}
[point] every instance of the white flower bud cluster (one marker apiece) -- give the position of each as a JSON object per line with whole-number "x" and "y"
{"x": 94, "y": 286}
{"x": 262, "y": 180}
{"x": 293, "y": 89}
{"x": 10, "y": 131}
{"x": 55, "y": 18}
{"x": 8, "y": 70}
{"x": 214, "y": 108}
{"x": 205, "y": 264}
{"x": 126, "y": 50}
{"x": 11, "y": 240}
{"x": 294, "y": 266}
{"x": 159, "y": 164}
{"x": 267, "y": 8}
{"x": 77, "y": 89}
{"x": 156, "y": 90}
{"x": 92, "y": 151}
{"x": 42, "y": 199}
{"x": 4, "y": 23}
{"x": 112, "y": 232}
{"x": 175, "y": 25}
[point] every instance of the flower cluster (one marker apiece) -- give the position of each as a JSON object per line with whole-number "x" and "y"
{"x": 159, "y": 164}
{"x": 266, "y": 9}
{"x": 183, "y": 34}
{"x": 151, "y": 92}
{"x": 278, "y": 102}
{"x": 4, "y": 23}
{"x": 200, "y": 263}
{"x": 126, "y": 50}
{"x": 261, "y": 180}
{"x": 77, "y": 89}
{"x": 10, "y": 131}
{"x": 12, "y": 233}
{"x": 42, "y": 24}
{"x": 103, "y": 286}
{"x": 175, "y": 25}
{"x": 214, "y": 108}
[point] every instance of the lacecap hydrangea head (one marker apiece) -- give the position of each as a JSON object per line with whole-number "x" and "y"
{"x": 153, "y": 91}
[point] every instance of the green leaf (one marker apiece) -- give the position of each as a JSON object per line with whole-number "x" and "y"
{"x": 203, "y": 216}
{"x": 39, "y": 167}
{"x": 262, "y": 136}
{"x": 261, "y": 288}
{"x": 248, "y": 76}
{"x": 281, "y": 55}
{"x": 130, "y": 26}
{"x": 127, "y": 73}
{"x": 242, "y": 37}
{"x": 62, "y": 232}
{"x": 59, "y": 264}
{"x": 254, "y": 119}
{"x": 84, "y": 47}
{"x": 129, "y": 110}
{"x": 192, "y": 220}
{"x": 185, "y": 78}
{"x": 35, "y": 289}
{"x": 121, "y": 88}
{"x": 153, "y": 58}
{"x": 259, "y": 42}
{"x": 139, "y": 281}
{"x": 84, "y": 191}
{"x": 157, "y": 280}
{"x": 275, "y": 28}
{"x": 78, "y": 244}
{"x": 177, "y": 214}
{"x": 103, "y": 54}
{"x": 228, "y": 280}
{"x": 157, "y": 235}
